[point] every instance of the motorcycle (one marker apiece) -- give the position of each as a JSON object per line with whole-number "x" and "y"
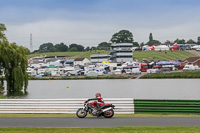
{"x": 107, "y": 110}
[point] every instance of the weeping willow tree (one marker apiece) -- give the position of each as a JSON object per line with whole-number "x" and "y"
{"x": 14, "y": 63}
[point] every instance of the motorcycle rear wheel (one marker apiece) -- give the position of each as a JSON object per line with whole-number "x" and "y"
{"x": 81, "y": 113}
{"x": 109, "y": 113}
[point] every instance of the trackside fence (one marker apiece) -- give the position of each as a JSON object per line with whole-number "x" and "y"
{"x": 166, "y": 106}
{"x": 122, "y": 105}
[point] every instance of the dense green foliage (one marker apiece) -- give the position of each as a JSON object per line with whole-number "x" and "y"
{"x": 104, "y": 130}
{"x": 198, "y": 40}
{"x": 13, "y": 61}
{"x": 50, "y": 47}
{"x": 180, "y": 41}
{"x": 104, "y": 46}
{"x": 150, "y": 37}
{"x": 191, "y": 41}
{"x": 190, "y": 74}
{"x": 123, "y": 36}
{"x": 153, "y": 55}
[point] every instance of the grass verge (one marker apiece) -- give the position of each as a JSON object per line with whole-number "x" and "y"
{"x": 103, "y": 130}
{"x": 153, "y": 55}
{"x": 188, "y": 74}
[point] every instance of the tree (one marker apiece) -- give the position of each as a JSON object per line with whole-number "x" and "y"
{"x": 198, "y": 40}
{"x": 75, "y": 47}
{"x": 61, "y": 47}
{"x": 191, "y": 41}
{"x": 45, "y": 47}
{"x": 123, "y": 36}
{"x": 153, "y": 42}
{"x": 179, "y": 41}
{"x": 14, "y": 63}
{"x": 136, "y": 44}
{"x": 2, "y": 35}
{"x": 104, "y": 46}
{"x": 87, "y": 48}
{"x": 150, "y": 37}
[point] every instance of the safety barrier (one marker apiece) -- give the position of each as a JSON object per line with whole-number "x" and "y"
{"x": 166, "y": 106}
{"x": 122, "y": 105}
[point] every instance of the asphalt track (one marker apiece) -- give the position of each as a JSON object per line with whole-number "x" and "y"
{"x": 97, "y": 122}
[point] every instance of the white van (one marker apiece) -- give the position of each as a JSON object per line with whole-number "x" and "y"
{"x": 189, "y": 68}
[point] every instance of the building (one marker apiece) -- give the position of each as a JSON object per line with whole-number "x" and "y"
{"x": 192, "y": 61}
{"x": 81, "y": 61}
{"x": 99, "y": 58}
{"x": 121, "y": 52}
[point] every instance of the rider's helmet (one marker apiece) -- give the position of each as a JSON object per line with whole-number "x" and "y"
{"x": 98, "y": 95}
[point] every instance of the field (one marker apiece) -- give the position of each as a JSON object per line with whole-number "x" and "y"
{"x": 71, "y": 55}
{"x": 154, "y": 55}
{"x": 143, "y": 55}
{"x": 104, "y": 130}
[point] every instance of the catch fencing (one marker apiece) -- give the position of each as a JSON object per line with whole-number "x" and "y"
{"x": 167, "y": 106}
{"x": 122, "y": 105}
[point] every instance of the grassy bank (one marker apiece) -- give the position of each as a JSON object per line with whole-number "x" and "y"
{"x": 84, "y": 77}
{"x": 71, "y": 55}
{"x": 1, "y": 97}
{"x": 147, "y": 55}
{"x": 189, "y": 74}
{"x": 103, "y": 130}
{"x": 153, "y": 55}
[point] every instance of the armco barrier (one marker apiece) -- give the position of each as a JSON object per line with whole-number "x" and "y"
{"x": 122, "y": 105}
{"x": 166, "y": 106}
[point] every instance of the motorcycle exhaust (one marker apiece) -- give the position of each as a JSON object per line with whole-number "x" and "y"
{"x": 106, "y": 109}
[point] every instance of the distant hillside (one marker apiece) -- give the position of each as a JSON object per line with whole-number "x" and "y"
{"x": 144, "y": 55}
{"x": 71, "y": 55}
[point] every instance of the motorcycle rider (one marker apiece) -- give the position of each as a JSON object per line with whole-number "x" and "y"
{"x": 99, "y": 100}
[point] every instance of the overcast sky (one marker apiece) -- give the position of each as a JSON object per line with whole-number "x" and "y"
{"x": 90, "y": 22}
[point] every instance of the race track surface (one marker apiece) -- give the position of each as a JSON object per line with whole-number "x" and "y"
{"x": 97, "y": 122}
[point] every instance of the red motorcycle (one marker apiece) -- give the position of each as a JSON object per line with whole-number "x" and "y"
{"x": 107, "y": 110}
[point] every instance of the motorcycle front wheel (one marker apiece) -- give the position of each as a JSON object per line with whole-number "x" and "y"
{"x": 81, "y": 113}
{"x": 109, "y": 113}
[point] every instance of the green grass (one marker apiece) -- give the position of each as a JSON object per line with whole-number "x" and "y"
{"x": 104, "y": 130}
{"x": 153, "y": 55}
{"x": 1, "y": 97}
{"x": 71, "y": 55}
{"x": 147, "y": 55}
{"x": 188, "y": 74}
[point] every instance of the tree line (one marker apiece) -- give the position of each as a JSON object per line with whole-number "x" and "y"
{"x": 123, "y": 36}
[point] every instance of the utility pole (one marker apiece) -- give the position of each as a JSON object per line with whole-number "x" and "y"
{"x": 31, "y": 44}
